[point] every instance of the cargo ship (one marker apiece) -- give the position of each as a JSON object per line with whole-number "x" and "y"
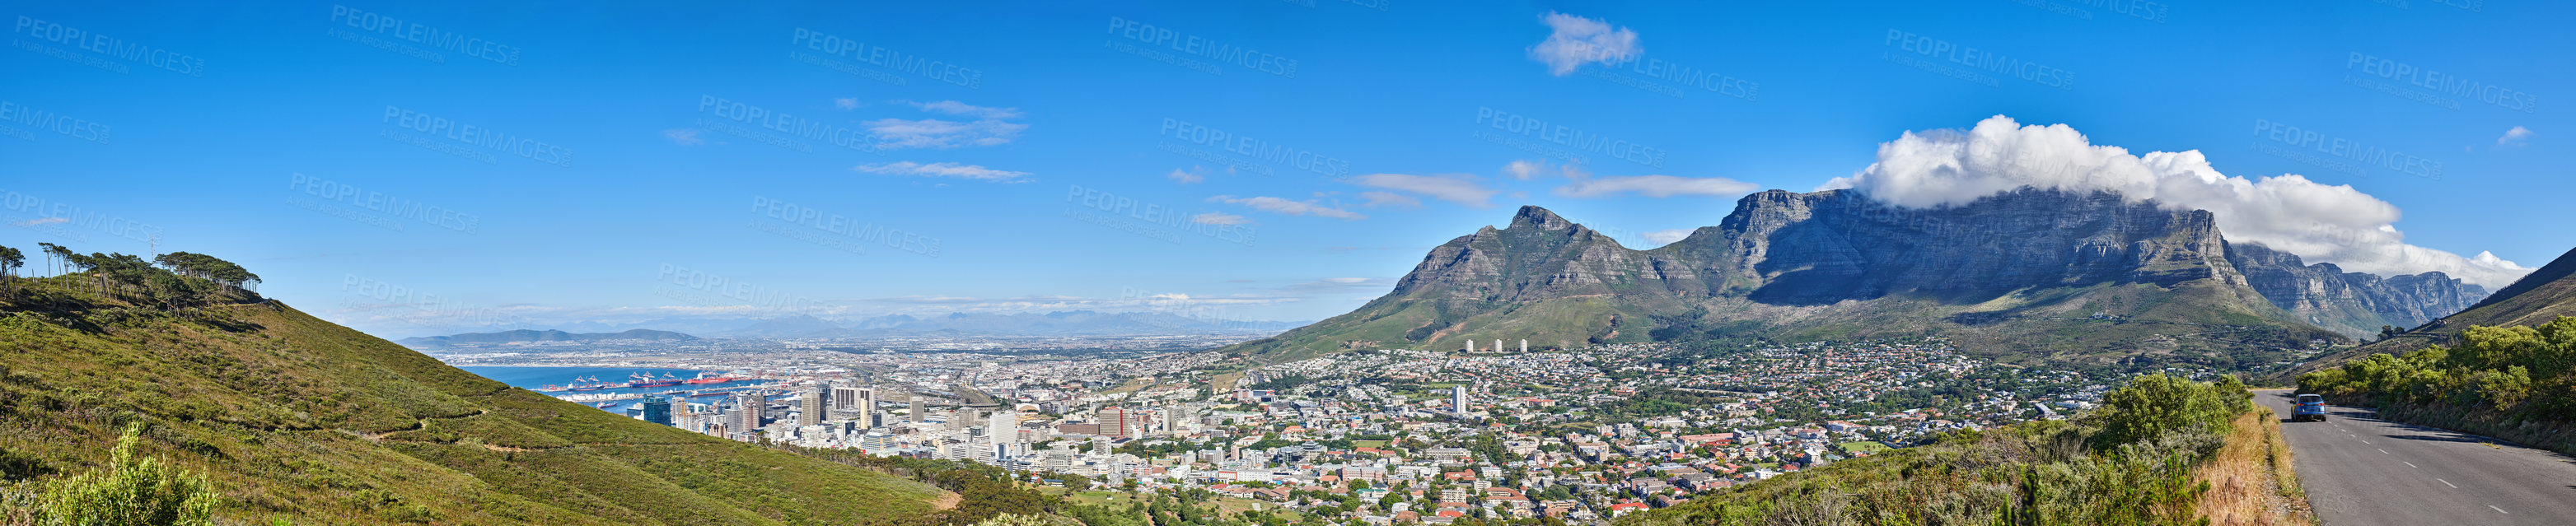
{"x": 647, "y": 380}
{"x": 586, "y": 384}
{"x": 704, "y": 379}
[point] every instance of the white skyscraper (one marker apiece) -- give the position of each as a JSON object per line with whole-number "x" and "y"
{"x": 1458, "y": 399}
{"x": 1498, "y": 345}
{"x": 1524, "y": 345}
{"x": 1004, "y": 427}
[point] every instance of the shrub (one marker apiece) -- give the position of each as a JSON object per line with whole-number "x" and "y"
{"x": 129, "y": 491}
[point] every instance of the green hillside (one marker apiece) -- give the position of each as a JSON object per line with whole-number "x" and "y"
{"x": 2151, "y": 455}
{"x": 2538, "y": 298}
{"x": 296, "y": 418}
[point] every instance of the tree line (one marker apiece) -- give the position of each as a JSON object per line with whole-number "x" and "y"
{"x": 173, "y": 280}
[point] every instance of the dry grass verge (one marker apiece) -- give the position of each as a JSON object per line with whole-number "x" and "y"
{"x": 2251, "y": 480}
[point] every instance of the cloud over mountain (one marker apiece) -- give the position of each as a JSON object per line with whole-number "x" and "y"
{"x": 2329, "y": 223}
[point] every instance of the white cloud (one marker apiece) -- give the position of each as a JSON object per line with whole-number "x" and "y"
{"x": 1186, "y": 175}
{"x": 2517, "y": 136}
{"x": 1667, "y": 237}
{"x": 991, "y": 127}
{"x": 1215, "y": 218}
{"x": 892, "y": 133}
{"x": 1582, "y": 184}
{"x": 1294, "y": 208}
{"x": 1461, "y": 189}
{"x": 2318, "y": 222}
{"x": 1523, "y": 170}
{"x": 959, "y": 108}
{"x": 42, "y": 221}
{"x": 683, "y": 136}
{"x": 1378, "y": 199}
{"x": 846, "y": 103}
{"x": 960, "y": 171}
{"x": 1574, "y": 40}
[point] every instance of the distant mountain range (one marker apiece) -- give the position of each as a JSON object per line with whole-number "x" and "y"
{"x": 2030, "y": 275}
{"x": 2537, "y": 298}
{"x": 1061, "y": 323}
{"x": 525, "y": 336}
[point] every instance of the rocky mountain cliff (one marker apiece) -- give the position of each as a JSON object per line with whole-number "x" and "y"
{"x": 2032, "y": 274}
{"x": 2353, "y": 303}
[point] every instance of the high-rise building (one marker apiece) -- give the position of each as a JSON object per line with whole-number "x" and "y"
{"x": 1176, "y": 418}
{"x": 811, "y": 400}
{"x": 1458, "y": 399}
{"x": 657, "y": 409}
{"x": 1113, "y": 421}
{"x": 920, "y": 411}
{"x": 1004, "y": 427}
{"x": 1524, "y": 345}
{"x": 859, "y": 403}
{"x": 747, "y": 411}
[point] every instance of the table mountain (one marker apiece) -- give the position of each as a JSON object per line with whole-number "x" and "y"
{"x": 2025, "y": 275}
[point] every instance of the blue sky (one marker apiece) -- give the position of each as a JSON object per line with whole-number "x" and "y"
{"x": 439, "y": 167}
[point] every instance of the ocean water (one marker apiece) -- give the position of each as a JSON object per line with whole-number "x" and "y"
{"x": 533, "y": 378}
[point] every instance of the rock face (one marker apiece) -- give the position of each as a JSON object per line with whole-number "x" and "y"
{"x": 1838, "y": 264}
{"x": 1819, "y": 248}
{"x": 1825, "y": 247}
{"x": 2350, "y": 301}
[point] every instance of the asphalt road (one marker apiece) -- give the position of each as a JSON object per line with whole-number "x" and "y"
{"x": 2360, "y": 470}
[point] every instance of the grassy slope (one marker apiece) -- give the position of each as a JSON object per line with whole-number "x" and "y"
{"x": 296, "y": 417}
{"x": 1969, "y": 481}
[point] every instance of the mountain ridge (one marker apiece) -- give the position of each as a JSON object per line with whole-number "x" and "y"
{"x": 548, "y": 335}
{"x": 2037, "y": 275}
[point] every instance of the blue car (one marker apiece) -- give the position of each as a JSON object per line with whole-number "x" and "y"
{"x": 2311, "y": 407}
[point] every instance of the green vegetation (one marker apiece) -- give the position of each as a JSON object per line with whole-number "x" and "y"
{"x": 129, "y": 491}
{"x": 286, "y": 416}
{"x": 2132, "y": 462}
{"x": 2518, "y": 383}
